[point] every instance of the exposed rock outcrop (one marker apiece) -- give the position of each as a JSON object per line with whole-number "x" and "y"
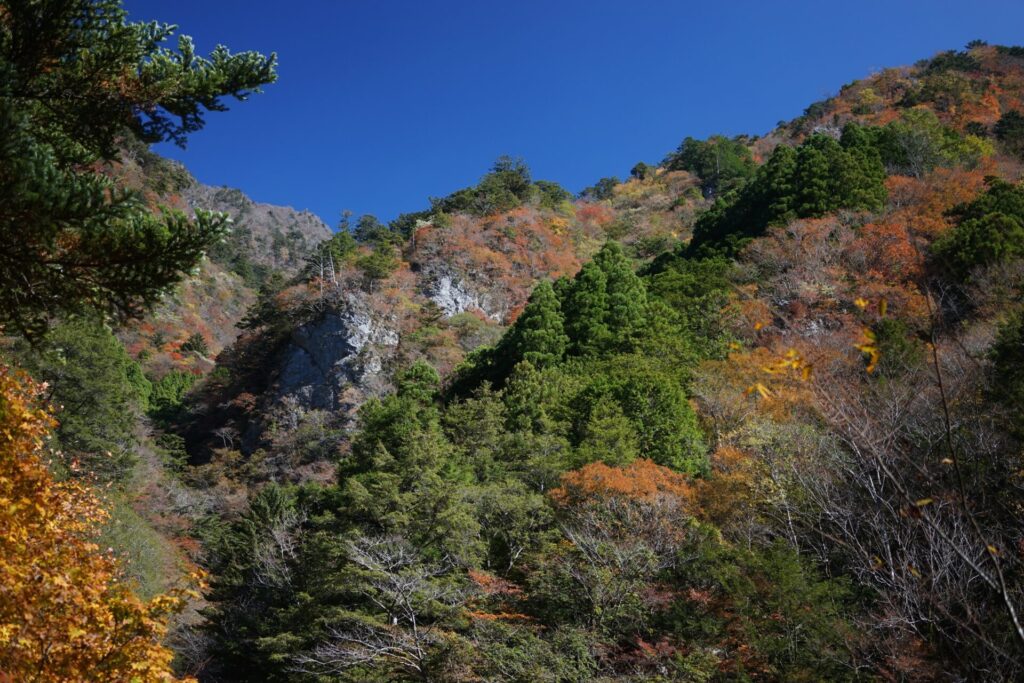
{"x": 455, "y": 293}
{"x": 336, "y": 361}
{"x": 276, "y": 236}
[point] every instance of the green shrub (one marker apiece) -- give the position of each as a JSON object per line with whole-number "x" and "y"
{"x": 167, "y": 399}
{"x": 990, "y": 229}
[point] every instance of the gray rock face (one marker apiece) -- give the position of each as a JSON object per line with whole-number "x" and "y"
{"x": 453, "y": 294}
{"x": 335, "y": 362}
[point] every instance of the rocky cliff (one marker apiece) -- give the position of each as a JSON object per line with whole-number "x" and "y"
{"x": 278, "y": 237}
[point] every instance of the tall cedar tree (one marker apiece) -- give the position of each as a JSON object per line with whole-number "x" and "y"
{"x": 538, "y": 336}
{"x": 585, "y": 305}
{"x": 627, "y": 296}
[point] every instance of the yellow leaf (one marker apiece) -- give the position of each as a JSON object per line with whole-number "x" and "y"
{"x": 860, "y": 303}
{"x": 883, "y": 306}
{"x": 872, "y": 361}
{"x": 761, "y": 389}
{"x": 923, "y": 501}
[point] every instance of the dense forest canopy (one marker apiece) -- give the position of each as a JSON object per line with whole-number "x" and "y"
{"x": 752, "y": 413}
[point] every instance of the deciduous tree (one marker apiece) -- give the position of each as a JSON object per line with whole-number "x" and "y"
{"x": 65, "y": 613}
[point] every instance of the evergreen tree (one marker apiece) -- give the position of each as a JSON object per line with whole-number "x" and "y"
{"x": 1009, "y": 130}
{"x": 167, "y": 398}
{"x": 608, "y": 436}
{"x": 990, "y": 229}
{"x": 378, "y": 264}
{"x": 601, "y": 190}
{"x": 817, "y": 178}
{"x": 538, "y": 336}
{"x": 253, "y": 586}
{"x": 1007, "y": 375}
{"x": 551, "y": 194}
{"x": 370, "y": 230}
{"x": 585, "y": 303}
{"x": 626, "y": 294}
{"x": 779, "y": 185}
{"x": 197, "y": 343}
{"x": 72, "y": 241}
{"x": 860, "y": 174}
{"x": 813, "y": 179}
{"x": 99, "y": 392}
{"x": 721, "y": 163}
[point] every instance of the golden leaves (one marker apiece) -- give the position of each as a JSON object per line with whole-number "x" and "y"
{"x": 65, "y": 614}
{"x": 760, "y": 389}
{"x": 869, "y": 347}
{"x": 791, "y": 364}
{"x": 869, "y": 340}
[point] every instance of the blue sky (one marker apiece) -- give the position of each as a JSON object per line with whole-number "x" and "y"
{"x": 381, "y": 104}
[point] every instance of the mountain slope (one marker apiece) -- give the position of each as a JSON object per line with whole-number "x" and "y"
{"x": 787, "y": 449}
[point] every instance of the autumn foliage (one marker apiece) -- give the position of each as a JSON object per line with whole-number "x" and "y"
{"x": 65, "y": 614}
{"x": 642, "y": 480}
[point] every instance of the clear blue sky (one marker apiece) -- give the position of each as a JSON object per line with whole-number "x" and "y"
{"x": 381, "y": 103}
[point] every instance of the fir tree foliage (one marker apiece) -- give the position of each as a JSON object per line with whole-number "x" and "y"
{"x": 989, "y": 230}
{"x": 72, "y": 240}
{"x": 626, "y": 294}
{"x": 585, "y": 305}
{"x": 538, "y": 336}
{"x": 1009, "y": 130}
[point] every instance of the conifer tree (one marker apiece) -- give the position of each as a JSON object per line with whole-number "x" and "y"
{"x": 585, "y": 305}
{"x": 778, "y": 184}
{"x": 72, "y": 240}
{"x": 814, "y": 192}
{"x": 539, "y": 335}
{"x": 609, "y": 436}
{"x": 98, "y": 391}
{"x": 860, "y": 176}
{"x": 1009, "y": 130}
{"x": 627, "y": 296}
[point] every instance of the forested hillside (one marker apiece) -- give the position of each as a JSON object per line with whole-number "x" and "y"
{"x": 752, "y": 412}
